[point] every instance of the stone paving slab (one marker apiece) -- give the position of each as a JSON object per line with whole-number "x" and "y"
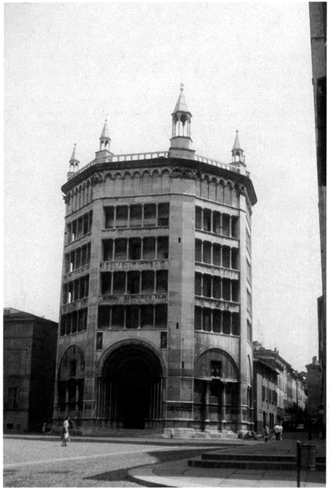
{"x": 179, "y": 475}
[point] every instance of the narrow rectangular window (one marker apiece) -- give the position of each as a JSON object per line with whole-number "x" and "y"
{"x": 234, "y": 258}
{"x": 207, "y": 252}
{"x": 80, "y": 227}
{"x": 84, "y": 255}
{"x": 226, "y": 225}
{"x": 198, "y": 218}
{"x": 198, "y": 284}
{"x": 119, "y": 283}
{"x": 118, "y": 317}
{"x": 99, "y": 340}
{"x": 148, "y": 281}
{"x": 161, "y": 316}
{"x": 133, "y": 282}
{"x": 163, "y": 340}
{"x": 161, "y": 281}
{"x": 135, "y": 216}
{"x": 215, "y": 368}
{"x": 85, "y": 225}
{"x": 216, "y": 320}
{"x": 78, "y": 258}
{"x": 147, "y": 316}
{"x": 121, "y": 216}
{"x": 235, "y": 291}
{"x": 207, "y": 286}
{"x": 216, "y": 287}
{"x": 82, "y": 287}
{"x": 74, "y": 322}
{"x": 120, "y": 249}
{"x": 12, "y": 397}
{"x": 149, "y": 219}
{"x": 226, "y": 289}
{"x": 149, "y": 248}
{"x": 162, "y": 247}
{"x": 207, "y": 220}
{"x": 80, "y": 320}
{"x": 226, "y": 322}
{"x": 163, "y": 214}
{"x": 198, "y": 251}
{"x": 207, "y": 320}
{"x": 236, "y": 324}
{"x": 216, "y": 223}
{"x": 234, "y": 227}
{"x": 198, "y": 318}
{"x": 107, "y": 250}
{"x": 134, "y": 249}
{"x": 109, "y": 217}
{"x": 132, "y": 317}
{"x": 103, "y": 317}
{"x": 226, "y": 257}
{"x": 106, "y": 283}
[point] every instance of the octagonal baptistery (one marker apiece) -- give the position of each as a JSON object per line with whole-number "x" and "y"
{"x": 156, "y": 300}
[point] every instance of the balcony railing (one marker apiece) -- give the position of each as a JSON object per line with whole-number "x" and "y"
{"x": 155, "y": 155}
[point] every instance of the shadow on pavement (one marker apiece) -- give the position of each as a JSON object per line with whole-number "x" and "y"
{"x": 159, "y": 457}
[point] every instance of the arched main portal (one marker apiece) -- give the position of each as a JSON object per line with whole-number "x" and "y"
{"x": 131, "y": 387}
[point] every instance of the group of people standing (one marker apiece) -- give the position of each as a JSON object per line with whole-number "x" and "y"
{"x": 277, "y": 432}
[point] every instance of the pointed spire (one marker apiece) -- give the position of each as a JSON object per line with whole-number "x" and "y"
{"x": 237, "y": 151}
{"x": 105, "y": 132}
{"x": 105, "y": 139}
{"x": 236, "y": 143}
{"x": 181, "y": 126}
{"x": 181, "y": 105}
{"x": 73, "y": 163}
{"x": 73, "y": 158}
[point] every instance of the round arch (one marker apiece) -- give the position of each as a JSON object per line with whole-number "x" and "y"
{"x": 131, "y": 383}
{"x": 70, "y": 382}
{"x": 216, "y": 359}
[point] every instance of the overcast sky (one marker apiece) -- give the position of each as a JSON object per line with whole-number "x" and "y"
{"x": 245, "y": 66}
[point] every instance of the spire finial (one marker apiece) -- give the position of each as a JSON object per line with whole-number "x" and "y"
{"x": 181, "y": 87}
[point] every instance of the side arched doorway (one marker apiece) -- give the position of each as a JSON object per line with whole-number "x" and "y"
{"x": 131, "y": 385}
{"x": 216, "y": 390}
{"x": 70, "y": 383}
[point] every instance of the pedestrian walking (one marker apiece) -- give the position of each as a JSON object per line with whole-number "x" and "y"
{"x": 281, "y": 431}
{"x": 65, "y": 431}
{"x": 278, "y": 431}
{"x": 266, "y": 434}
{"x": 70, "y": 429}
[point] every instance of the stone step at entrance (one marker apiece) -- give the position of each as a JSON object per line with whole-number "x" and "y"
{"x": 246, "y": 461}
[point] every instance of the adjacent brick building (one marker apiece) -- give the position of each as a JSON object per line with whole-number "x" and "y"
{"x": 279, "y": 390}
{"x": 156, "y": 302}
{"x": 29, "y": 370}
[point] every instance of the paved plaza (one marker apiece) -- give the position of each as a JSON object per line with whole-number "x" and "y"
{"x": 36, "y": 461}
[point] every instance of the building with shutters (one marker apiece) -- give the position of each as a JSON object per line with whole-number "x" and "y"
{"x": 156, "y": 303}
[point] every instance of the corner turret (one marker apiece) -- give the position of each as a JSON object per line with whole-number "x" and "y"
{"x": 73, "y": 164}
{"x": 104, "y": 154}
{"x": 181, "y": 126}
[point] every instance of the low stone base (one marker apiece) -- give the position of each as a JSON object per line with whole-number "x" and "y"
{"x": 191, "y": 433}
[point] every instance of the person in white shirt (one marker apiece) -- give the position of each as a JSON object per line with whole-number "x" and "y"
{"x": 65, "y": 431}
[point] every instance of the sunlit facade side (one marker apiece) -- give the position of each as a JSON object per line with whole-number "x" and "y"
{"x": 156, "y": 300}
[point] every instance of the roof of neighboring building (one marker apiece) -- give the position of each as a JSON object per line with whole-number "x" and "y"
{"x": 10, "y": 313}
{"x": 269, "y": 365}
